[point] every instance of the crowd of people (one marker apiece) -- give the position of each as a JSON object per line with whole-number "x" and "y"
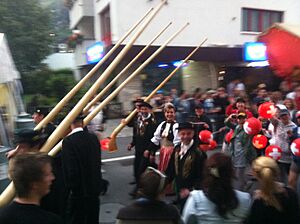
{"x": 240, "y": 184}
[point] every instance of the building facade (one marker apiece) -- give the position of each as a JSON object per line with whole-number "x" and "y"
{"x": 226, "y": 24}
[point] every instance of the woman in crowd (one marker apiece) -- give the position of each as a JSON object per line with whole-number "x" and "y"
{"x": 218, "y": 202}
{"x": 273, "y": 203}
{"x": 165, "y": 137}
{"x": 150, "y": 208}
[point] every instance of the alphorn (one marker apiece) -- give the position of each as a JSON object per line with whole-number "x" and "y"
{"x": 60, "y": 130}
{"x": 110, "y": 85}
{"x": 50, "y": 117}
{"x": 92, "y": 114}
{"x": 8, "y": 194}
{"x": 112, "y": 143}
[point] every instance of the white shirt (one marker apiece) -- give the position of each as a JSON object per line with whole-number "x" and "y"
{"x": 76, "y": 130}
{"x": 185, "y": 148}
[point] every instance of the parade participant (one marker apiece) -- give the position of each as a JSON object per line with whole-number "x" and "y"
{"x": 240, "y": 148}
{"x": 143, "y": 129}
{"x": 283, "y": 127}
{"x": 186, "y": 163}
{"x": 150, "y": 206}
{"x": 81, "y": 163}
{"x": 200, "y": 122}
{"x": 165, "y": 137}
{"x": 218, "y": 202}
{"x": 27, "y": 140}
{"x": 32, "y": 176}
{"x": 273, "y": 203}
{"x": 39, "y": 114}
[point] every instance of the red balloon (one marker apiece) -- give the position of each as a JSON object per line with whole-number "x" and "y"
{"x": 229, "y": 135}
{"x": 104, "y": 143}
{"x": 295, "y": 147}
{"x": 252, "y": 126}
{"x": 259, "y": 141}
{"x": 205, "y": 136}
{"x": 266, "y": 110}
{"x": 207, "y": 147}
{"x": 273, "y": 152}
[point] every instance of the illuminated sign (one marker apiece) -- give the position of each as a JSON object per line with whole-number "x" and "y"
{"x": 255, "y": 51}
{"x": 95, "y": 53}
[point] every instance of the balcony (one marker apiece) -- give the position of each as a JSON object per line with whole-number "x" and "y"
{"x": 79, "y": 10}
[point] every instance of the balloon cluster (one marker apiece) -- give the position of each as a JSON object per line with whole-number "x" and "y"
{"x": 207, "y": 142}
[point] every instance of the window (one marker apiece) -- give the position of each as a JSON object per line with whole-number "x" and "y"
{"x": 256, "y": 20}
{"x": 105, "y": 26}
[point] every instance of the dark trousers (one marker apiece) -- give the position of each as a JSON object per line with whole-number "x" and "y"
{"x": 139, "y": 154}
{"x": 83, "y": 210}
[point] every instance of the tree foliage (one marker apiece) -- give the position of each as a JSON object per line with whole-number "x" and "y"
{"x": 27, "y": 27}
{"x": 47, "y": 87}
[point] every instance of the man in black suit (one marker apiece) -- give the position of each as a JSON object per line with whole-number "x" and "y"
{"x": 186, "y": 163}
{"x": 81, "y": 162}
{"x": 39, "y": 114}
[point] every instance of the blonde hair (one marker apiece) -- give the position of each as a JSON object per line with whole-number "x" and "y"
{"x": 169, "y": 106}
{"x": 267, "y": 171}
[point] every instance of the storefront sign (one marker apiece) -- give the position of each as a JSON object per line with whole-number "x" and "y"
{"x": 95, "y": 53}
{"x": 255, "y": 51}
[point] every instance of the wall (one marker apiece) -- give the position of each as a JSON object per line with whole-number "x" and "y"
{"x": 219, "y": 20}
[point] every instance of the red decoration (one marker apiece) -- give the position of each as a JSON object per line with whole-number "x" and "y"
{"x": 205, "y": 136}
{"x": 252, "y": 126}
{"x": 295, "y": 147}
{"x": 208, "y": 147}
{"x": 228, "y": 136}
{"x": 273, "y": 152}
{"x": 104, "y": 143}
{"x": 259, "y": 141}
{"x": 267, "y": 110}
{"x": 283, "y": 47}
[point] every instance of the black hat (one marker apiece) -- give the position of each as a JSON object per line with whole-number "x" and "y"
{"x": 27, "y": 135}
{"x": 42, "y": 110}
{"x": 138, "y": 100}
{"x": 145, "y": 104}
{"x": 185, "y": 125}
{"x": 80, "y": 117}
{"x": 199, "y": 106}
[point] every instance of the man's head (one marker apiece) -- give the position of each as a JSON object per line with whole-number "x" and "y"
{"x": 241, "y": 118}
{"x": 145, "y": 109}
{"x": 78, "y": 122}
{"x": 39, "y": 114}
{"x": 31, "y": 174}
{"x": 28, "y": 138}
{"x": 186, "y": 132}
{"x": 284, "y": 116}
{"x": 199, "y": 109}
{"x": 240, "y": 104}
{"x": 137, "y": 103}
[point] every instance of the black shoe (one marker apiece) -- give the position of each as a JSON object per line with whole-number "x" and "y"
{"x": 132, "y": 182}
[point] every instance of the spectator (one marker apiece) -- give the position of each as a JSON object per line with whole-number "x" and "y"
{"x": 149, "y": 207}
{"x": 283, "y": 127}
{"x": 273, "y": 203}
{"x": 32, "y": 176}
{"x": 241, "y": 108}
{"x": 240, "y": 147}
{"x": 291, "y": 107}
{"x": 218, "y": 202}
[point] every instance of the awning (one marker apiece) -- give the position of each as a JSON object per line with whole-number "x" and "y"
{"x": 283, "y": 48}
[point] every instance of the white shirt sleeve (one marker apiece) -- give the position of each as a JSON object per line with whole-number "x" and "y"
{"x": 156, "y": 137}
{"x": 176, "y": 139}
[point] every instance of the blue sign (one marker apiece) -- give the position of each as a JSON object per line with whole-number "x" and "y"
{"x": 95, "y": 53}
{"x": 255, "y": 51}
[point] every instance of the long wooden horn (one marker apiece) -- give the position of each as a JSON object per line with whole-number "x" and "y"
{"x": 80, "y": 84}
{"x": 59, "y": 131}
{"x": 92, "y": 114}
{"x": 112, "y": 143}
{"x": 110, "y": 85}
